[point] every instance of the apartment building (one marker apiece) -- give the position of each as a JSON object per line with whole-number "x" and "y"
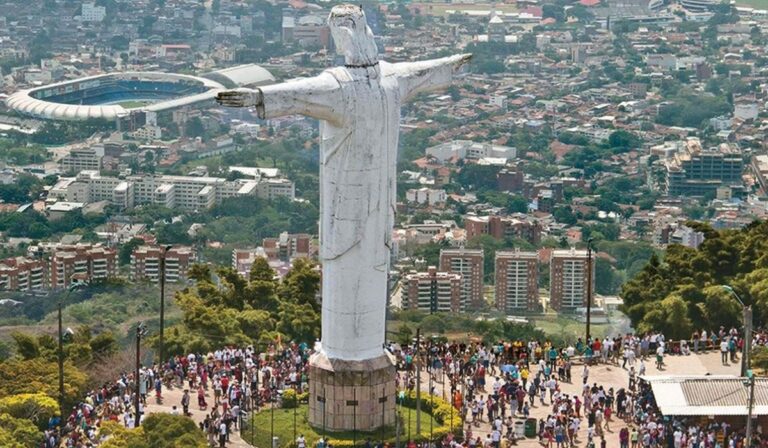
{"x": 468, "y": 263}
{"x": 145, "y": 263}
{"x": 695, "y": 171}
{"x": 23, "y": 274}
{"x": 81, "y": 263}
{"x": 80, "y": 159}
{"x": 433, "y": 291}
{"x": 287, "y": 246}
{"x": 568, "y": 279}
{"x": 517, "y": 281}
{"x": 185, "y": 192}
{"x": 243, "y": 259}
{"x": 426, "y": 196}
{"x": 504, "y": 227}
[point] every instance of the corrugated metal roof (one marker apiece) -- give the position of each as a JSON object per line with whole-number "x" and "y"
{"x": 707, "y": 395}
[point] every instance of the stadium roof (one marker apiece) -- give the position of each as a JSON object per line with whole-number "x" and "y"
{"x": 246, "y": 75}
{"x": 707, "y": 395}
{"x": 23, "y": 101}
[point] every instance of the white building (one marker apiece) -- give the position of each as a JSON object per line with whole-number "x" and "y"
{"x": 184, "y": 192}
{"x": 499, "y": 101}
{"x": 465, "y": 149}
{"x": 92, "y": 13}
{"x": 746, "y": 111}
{"x": 686, "y": 236}
{"x": 425, "y": 195}
{"x": 79, "y": 159}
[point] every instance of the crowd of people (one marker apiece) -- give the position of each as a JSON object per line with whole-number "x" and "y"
{"x": 494, "y": 386}
{"x": 225, "y": 384}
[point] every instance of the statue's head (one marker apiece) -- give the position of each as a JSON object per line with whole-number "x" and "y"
{"x": 352, "y": 36}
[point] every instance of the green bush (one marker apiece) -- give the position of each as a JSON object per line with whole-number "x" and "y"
{"x": 438, "y": 408}
{"x": 290, "y": 399}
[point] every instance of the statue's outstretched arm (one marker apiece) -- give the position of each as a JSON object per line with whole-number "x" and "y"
{"x": 424, "y": 76}
{"x": 317, "y": 97}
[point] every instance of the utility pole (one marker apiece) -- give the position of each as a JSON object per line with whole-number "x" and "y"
{"x": 589, "y": 288}
{"x": 747, "y": 340}
{"x": 70, "y": 288}
{"x": 61, "y": 371}
{"x": 162, "y": 303}
{"x": 140, "y": 332}
{"x": 431, "y": 397}
{"x": 750, "y": 405}
{"x": 417, "y": 358}
{"x": 747, "y": 310}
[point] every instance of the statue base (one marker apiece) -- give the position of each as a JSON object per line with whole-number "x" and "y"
{"x": 351, "y": 395}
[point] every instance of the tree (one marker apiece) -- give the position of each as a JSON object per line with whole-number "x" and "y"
{"x": 194, "y": 128}
{"x": 243, "y": 311}
{"x": 126, "y": 250}
{"x": 40, "y": 376}
{"x": 607, "y": 280}
{"x": 301, "y": 284}
{"x": 18, "y": 432}
{"x": 119, "y": 43}
{"x": 517, "y": 204}
{"x": 623, "y": 141}
{"x": 404, "y": 334}
{"x": 26, "y": 346}
{"x": 158, "y": 430}
{"x": 36, "y": 407}
{"x": 669, "y": 317}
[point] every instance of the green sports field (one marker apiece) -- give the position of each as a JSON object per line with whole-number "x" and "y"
{"x": 757, "y": 4}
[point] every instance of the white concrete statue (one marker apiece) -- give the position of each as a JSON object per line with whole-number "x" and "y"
{"x": 359, "y": 108}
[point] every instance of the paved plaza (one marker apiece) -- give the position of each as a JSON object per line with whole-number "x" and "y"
{"x": 606, "y": 375}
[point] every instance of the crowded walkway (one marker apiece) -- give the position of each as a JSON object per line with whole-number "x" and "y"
{"x": 585, "y": 394}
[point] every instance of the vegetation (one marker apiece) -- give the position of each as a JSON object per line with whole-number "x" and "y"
{"x": 246, "y": 311}
{"x": 436, "y": 414}
{"x": 61, "y": 132}
{"x": 156, "y": 431}
{"x": 15, "y": 154}
{"x": 489, "y": 330}
{"x": 691, "y": 109}
{"x": 683, "y": 291}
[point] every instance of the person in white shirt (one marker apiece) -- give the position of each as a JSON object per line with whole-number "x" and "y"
{"x": 724, "y": 351}
{"x": 222, "y": 434}
{"x": 301, "y": 442}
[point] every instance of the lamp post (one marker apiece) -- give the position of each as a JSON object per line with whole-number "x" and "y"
{"x": 747, "y": 316}
{"x": 162, "y": 303}
{"x": 750, "y": 405}
{"x": 141, "y": 331}
{"x": 431, "y": 398}
{"x": 417, "y": 361}
{"x": 589, "y": 288}
{"x": 272, "y": 415}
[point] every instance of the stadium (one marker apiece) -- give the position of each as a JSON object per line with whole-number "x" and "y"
{"x": 119, "y": 95}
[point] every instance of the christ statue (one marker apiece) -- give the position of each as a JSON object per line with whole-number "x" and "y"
{"x": 358, "y": 105}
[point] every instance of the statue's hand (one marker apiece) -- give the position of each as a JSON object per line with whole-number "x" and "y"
{"x": 460, "y": 60}
{"x": 240, "y": 98}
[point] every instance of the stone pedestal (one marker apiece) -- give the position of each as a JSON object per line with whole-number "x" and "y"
{"x": 349, "y": 395}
